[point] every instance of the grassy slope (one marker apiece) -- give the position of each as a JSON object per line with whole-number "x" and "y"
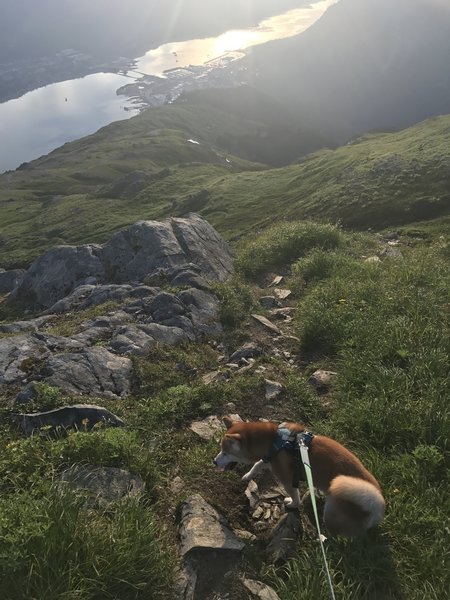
{"x": 380, "y": 180}
{"x": 382, "y": 326}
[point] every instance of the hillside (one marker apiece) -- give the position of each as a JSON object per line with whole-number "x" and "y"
{"x": 94, "y": 511}
{"x": 151, "y": 167}
{"x": 372, "y": 64}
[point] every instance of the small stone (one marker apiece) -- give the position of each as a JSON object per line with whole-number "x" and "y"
{"x": 321, "y": 379}
{"x": 282, "y": 294}
{"x": 258, "y": 513}
{"x": 269, "y": 301}
{"x": 260, "y": 369}
{"x": 208, "y": 428}
{"x": 252, "y": 494}
{"x": 229, "y": 407}
{"x": 372, "y": 259}
{"x": 273, "y": 389}
{"x": 232, "y": 365}
{"x": 176, "y": 485}
{"x": 245, "y": 535}
{"x": 266, "y": 323}
{"x": 213, "y": 377}
{"x": 276, "y": 281}
{"x": 248, "y": 350}
{"x": 260, "y": 590}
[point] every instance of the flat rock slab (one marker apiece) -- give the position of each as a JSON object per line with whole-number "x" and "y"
{"x": 266, "y": 323}
{"x": 260, "y": 590}
{"x": 208, "y": 428}
{"x": 93, "y": 371}
{"x": 282, "y": 294}
{"x": 104, "y": 484}
{"x": 80, "y": 416}
{"x": 202, "y": 529}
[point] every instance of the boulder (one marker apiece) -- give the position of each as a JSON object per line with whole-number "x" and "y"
{"x": 57, "y": 272}
{"x": 129, "y": 256}
{"x": 104, "y": 485}
{"x": 80, "y": 416}
{"x": 93, "y": 371}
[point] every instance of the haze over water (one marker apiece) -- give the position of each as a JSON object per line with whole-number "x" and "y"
{"x": 46, "y": 118}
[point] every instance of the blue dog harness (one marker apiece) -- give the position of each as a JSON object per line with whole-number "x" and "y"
{"x": 291, "y": 441}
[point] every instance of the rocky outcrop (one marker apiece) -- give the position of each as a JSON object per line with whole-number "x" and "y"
{"x": 130, "y": 255}
{"x": 93, "y": 371}
{"x": 185, "y": 253}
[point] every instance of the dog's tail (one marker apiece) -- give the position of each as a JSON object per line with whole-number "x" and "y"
{"x": 363, "y": 494}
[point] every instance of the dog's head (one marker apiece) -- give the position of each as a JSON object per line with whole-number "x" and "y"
{"x": 233, "y": 448}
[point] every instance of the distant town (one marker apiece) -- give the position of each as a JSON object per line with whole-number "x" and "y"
{"x": 224, "y": 71}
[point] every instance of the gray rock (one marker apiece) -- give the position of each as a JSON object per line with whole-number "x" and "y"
{"x": 203, "y": 529}
{"x": 269, "y": 302}
{"x": 321, "y": 379}
{"x": 391, "y": 252}
{"x": 185, "y": 582}
{"x": 59, "y": 271}
{"x": 282, "y": 294}
{"x": 28, "y": 393}
{"x": 284, "y": 537}
{"x": 80, "y": 416}
{"x": 248, "y": 350}
{"x": 18, "y": 357}
{"x": 138, "y": 339}
{"x": 208, "y": 547}
{"x": 252, "y": 495}
{"x": 146, "y": 246}
{"x": 273, "y": 389}
{"x": 129, "y": 256}
{"x": 202, "y": 308}
{"x": 266, "y": 323}
{"x": 85, "y": 296}
{"x": 9, "y": 280}
{"x": 23, "y": 326}
{"x": 208, "y": 428}
{"x": 93, "y": 371}
{"x": 260, "y": 590}
{"x": 104, "y": 485}
{"x": 372, "y": 259}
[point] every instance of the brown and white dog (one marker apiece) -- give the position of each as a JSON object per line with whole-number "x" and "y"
{"x": 354, "y": 501}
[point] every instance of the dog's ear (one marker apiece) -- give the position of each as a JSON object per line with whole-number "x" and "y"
{"x": 227, "y": 422}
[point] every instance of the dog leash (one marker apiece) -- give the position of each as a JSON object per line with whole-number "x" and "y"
{"x": 305, "y": 460}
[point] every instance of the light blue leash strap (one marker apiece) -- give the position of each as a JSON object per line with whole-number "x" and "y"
{"x": 309, "y": 479}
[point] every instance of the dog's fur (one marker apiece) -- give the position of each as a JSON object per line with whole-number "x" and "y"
{"x": 354, "y": 501}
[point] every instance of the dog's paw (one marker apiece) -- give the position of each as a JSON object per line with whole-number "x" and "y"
{"x": 247, "y": 477}
{"x": 290, "y": 504}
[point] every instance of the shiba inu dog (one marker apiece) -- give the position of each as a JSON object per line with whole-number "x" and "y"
{"x": 354, "y": 502}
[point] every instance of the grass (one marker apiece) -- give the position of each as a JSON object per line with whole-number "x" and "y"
{"x": 74, "y": 195}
